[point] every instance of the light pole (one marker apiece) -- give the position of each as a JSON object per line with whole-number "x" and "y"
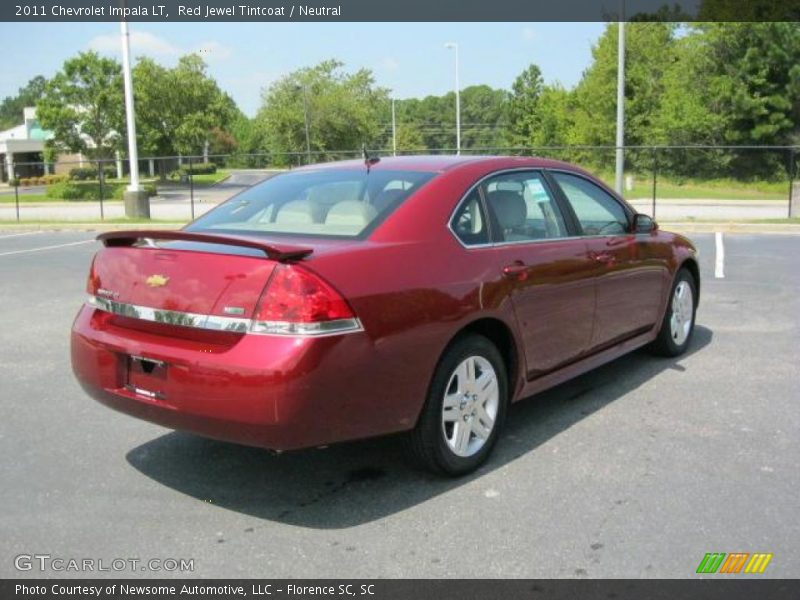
{"x": 137, "y": 203}
{"x": 394, "y": 131}
{"x": 454, "y": 46}
{"x": 305, "y": 119}
{"x": 620, "y": 158}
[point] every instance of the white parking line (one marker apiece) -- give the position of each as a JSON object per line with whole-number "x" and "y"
{"x": 45, "y": 248}
{"x": 719, "y": 263}
{"x": 10, "y": 235}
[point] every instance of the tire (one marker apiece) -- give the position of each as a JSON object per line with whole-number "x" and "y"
{"x": 677, "y": 327}
{"x": 460, "y": 423}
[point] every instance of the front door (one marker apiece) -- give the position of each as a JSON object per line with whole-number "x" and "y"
{"x": 629, "y": 279}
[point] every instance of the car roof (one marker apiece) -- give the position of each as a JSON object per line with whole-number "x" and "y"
{"x": 437, "y": 163}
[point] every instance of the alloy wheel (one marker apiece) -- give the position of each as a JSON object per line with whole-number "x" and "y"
{"x": 470, "y": 404}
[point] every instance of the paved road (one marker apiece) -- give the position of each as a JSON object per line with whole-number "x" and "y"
{"x": 634, "y": 470}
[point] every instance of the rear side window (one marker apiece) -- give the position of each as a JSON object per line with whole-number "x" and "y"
{"x": 469, "y": 223}
{"x": 328, "y": 202}
{"x": 597, "y": 211}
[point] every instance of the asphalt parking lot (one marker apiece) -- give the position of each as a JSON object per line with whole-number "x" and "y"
{"x": 636, "y": 469}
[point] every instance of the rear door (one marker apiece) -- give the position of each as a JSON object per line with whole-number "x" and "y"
{"x": 545, "y": 265}
{"x": 629, "y": 279}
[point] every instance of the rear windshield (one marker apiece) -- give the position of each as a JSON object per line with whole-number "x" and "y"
{"x": 328, "y": 202}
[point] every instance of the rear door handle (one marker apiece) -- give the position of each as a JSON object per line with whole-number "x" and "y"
{"x": 602, "y": 257}
{"x": 518, "y": 270}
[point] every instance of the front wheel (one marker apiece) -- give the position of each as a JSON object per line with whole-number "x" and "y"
{"x": 678, "y": 324}
{"x": 465, "y": 408}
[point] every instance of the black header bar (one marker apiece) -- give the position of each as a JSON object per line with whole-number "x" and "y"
{"x": 399, "y": 10}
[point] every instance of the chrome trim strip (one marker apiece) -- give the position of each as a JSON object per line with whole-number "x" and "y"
{"x": 229, "y": 324}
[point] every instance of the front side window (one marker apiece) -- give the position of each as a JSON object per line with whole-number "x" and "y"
{"x": 598, "y": 212}
{"x": 523, "y": 208}
{"x": 327, "y": 202}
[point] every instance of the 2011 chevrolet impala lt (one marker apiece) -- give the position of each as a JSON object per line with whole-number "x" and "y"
{"x": 354, "y": 299}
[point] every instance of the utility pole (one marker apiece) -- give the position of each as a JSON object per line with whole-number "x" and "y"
{"x": 394, "y": 131}
{"x": 305, "y": 120}
{"x": 620, "y": 166}
{"x": 454, "y": 46}
{"x": 137, "y": 203}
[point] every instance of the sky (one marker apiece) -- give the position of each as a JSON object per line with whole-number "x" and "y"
{"x": 244, "y": 58}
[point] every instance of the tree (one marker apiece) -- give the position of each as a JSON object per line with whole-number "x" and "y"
{"x": 178, "y": 110}
{"x": 83, "y": 106}
{"x": 650, "y": 52}
{"x": 410, "y": 139}
{"x": 734, "y": 84}
{"x": 344, "y": 110}
{"x": 11, "y": 108}
{"x": 523, "y": 105}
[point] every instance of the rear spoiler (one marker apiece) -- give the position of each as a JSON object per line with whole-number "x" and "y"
{"x": 279, "y": 252}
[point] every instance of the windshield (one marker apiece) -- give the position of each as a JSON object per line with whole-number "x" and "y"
{"x": 328, "y": 202}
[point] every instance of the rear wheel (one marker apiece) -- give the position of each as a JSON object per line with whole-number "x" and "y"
{"x": 678, "y": 324}
{"x": 465, "y": 408}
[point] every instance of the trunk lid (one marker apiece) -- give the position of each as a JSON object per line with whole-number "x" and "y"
{"x": 198, "y": 273}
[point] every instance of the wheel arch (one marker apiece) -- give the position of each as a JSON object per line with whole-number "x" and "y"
{"x": 690, "y": 264}
{"x": 500, "y": 334}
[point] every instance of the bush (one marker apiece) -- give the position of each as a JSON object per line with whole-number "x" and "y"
{"x": 196, "y": 169}
{"x": 119, "y": 190}
{"x": 65, "y": 190}
{"x": 90, "y": 173}
{"x": 90, "y": 190}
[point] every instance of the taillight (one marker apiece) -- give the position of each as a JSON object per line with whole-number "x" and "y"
{"x": 299, "y": 302}
{"x": 93, "y": 281}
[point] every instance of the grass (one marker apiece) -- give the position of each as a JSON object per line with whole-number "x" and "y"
{"x": 211, "y": 178}
{"x": 203, "y": 179}
{"x": 713, "y": 189}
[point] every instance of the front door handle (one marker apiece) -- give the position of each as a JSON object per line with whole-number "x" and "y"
{"x": 517, "y": 270}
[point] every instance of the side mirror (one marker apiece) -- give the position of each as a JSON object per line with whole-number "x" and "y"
{"x": 644, "y": 224}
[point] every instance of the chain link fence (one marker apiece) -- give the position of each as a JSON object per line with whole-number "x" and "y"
{"x": 671, "y": 183}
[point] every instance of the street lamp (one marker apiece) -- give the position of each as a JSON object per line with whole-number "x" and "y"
{"x": 454, "y": 46}
{"x": 620, "y": 156}
{"x": 305, "y": 119}
{"x": 394, "y": 131}
{"x": 137, "y": 203}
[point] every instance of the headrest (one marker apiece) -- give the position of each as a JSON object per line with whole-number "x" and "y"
{"x": 351, "y": 213}
{"x": 509, "y": 207}
{"x": 298, "y": 211}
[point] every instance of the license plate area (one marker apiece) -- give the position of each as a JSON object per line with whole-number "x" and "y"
{"x": 146, "y": 377}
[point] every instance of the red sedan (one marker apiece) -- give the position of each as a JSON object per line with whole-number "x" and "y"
{"x": 355, "y": 299}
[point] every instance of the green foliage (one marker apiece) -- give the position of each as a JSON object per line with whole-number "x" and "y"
{"x": 83, "y": 106}
{"x": 410, "y": 139}
{"x": 11, "y": 108}
{"x": 343, "y": 111}
{"x": 90, "y": 173}
{"x": 90, "y": 190}
{"x": 524, "y": 113}
{"x": 178, "y": 110}
{"x": 195, "y": 169}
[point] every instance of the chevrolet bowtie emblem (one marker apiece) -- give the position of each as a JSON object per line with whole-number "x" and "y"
{"x": 156, "y": 280}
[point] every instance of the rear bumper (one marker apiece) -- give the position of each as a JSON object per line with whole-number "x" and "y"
{"x": 276, "y": 392}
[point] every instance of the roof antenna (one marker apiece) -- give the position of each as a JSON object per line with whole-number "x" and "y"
{"x": 369, "y": 160}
